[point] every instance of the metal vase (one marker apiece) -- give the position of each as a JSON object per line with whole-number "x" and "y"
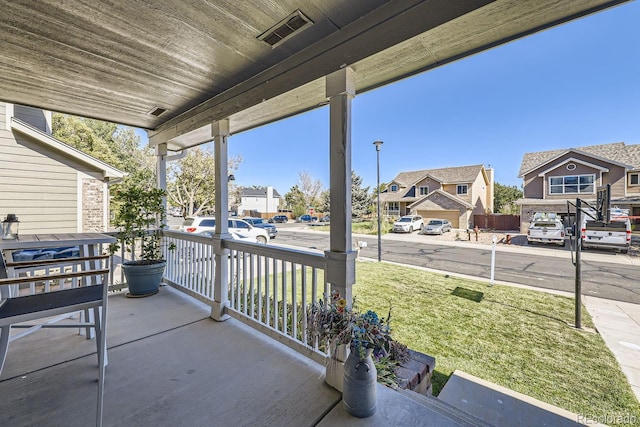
{"x": 359, "y": 384}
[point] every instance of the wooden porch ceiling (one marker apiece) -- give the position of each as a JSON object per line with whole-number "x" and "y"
{"x": 203, "y": 61}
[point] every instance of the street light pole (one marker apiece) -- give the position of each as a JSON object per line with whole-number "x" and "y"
{"x": 378, "y": 143}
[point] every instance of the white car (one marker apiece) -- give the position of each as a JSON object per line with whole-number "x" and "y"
{"x": 408, "y": 224}
{"x": 242, "y": 228}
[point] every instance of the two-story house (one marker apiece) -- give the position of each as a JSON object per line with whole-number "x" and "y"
{"x": 49, "y": 185}
{"x": 263, "y": 202}
{"x": 455, "y": 193}
{"x": 551, "y": 178}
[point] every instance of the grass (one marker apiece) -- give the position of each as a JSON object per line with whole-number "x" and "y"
{"x": 517, "y": 338}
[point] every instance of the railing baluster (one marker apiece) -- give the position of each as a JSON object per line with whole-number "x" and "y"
{"x": 267, "y": 287}
{"x": 271, "y": 286}
{"x": 294, "y": 302}
{"x": 284, "y": 297}
{"x": 275, "y": 293}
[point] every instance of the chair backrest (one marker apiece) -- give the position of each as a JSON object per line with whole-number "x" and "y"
{"x": 68, "y": 288}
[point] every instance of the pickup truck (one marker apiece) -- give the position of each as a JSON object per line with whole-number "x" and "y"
{"x": 612, "y": 235}
{"x": 546, "y": 230}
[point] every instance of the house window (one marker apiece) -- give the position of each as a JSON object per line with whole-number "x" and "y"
{"x": 572, "y": 184}
{"x": 634, "y": 179}
{"x": 423, "y": 191}
{"x": 394, "y": 206}
{"x": 394, "y": 188}
{"x": 462, "y": 189}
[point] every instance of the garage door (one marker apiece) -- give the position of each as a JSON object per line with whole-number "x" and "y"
{"x": 452, "y": 216}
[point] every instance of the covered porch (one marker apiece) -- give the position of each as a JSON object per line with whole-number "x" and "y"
{"x": 225, "y": 342}
{"x": 171, "y": 364}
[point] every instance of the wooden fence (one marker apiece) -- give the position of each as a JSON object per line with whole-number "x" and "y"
{"x": 497, "y": 222}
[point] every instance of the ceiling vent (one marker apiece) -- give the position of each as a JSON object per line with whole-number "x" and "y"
{"x": 157, "y": 111}
{"x": 285, "y": 29}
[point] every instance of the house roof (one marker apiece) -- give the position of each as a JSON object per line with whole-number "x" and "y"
{"x": 451, "y": 175}
{"x": 175, "y": 67}
{"x": 441, "y": 193}
{"x": 257, "y": 192}
{"x": 71, "y": 152}
{"x": 618, "y": 153}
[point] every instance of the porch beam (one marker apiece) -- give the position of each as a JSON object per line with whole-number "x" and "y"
{"x": 340, "y": 271}
{"x": 220, "y": 133}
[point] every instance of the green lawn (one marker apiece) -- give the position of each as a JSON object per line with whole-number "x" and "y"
{"x": 516, "y": 338}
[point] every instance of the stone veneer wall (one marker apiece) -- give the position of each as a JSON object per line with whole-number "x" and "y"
{"x": 92, "y": 206}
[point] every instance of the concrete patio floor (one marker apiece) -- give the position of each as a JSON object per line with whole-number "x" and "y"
{"x": 170, "y": 364}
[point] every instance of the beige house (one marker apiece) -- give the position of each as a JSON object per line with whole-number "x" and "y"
{"x": 49, "y": 185}
{"x": 551, "y": 178}
{"x": 455, "y": 193}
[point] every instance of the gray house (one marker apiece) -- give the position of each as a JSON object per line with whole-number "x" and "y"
{"x": 49, "y": 185}
{"x": 551, "y": 178}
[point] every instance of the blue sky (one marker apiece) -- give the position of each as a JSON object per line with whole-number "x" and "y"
{"x": 573, "y": 85}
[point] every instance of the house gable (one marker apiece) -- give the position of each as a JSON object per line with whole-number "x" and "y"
{"x": 570, "y": 166}
{"x": 50, "y": 188}
{"x": 440, "y": 199}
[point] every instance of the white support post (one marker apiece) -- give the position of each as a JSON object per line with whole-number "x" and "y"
{"x": 340, "y": 258}
{"x": 161, "y": 173}
{"x": 220, "y": 132}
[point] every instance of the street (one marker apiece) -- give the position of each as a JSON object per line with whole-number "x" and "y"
{"x": 615, "y": 281}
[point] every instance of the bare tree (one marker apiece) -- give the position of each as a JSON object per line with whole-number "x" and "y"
{"x": 310, "y": 187}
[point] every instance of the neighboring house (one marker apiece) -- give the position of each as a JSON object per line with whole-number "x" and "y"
{"x": 49, "y": 185}
{"x": 265, "y": 201}
{"x": 455, "y": 193}
{"x": 551, "y": 178}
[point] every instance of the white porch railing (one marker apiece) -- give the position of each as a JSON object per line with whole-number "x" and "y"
{"x": 269, "y": 287}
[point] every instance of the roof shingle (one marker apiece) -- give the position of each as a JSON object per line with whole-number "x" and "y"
{"x": 617, "y": 152}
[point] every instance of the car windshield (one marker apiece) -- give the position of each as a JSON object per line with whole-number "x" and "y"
{"x": 258, "y": 221}
{"x": 405, "y": 219}
{"x": 434, "y": 222}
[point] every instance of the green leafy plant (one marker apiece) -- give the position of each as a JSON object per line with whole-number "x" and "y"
{"x": 139, "y": 213}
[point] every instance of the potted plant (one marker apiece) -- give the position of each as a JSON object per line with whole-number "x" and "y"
{"x": 340, "y": 330}
{"x": 373, "y": 355}
{"x": 139, "y": 214}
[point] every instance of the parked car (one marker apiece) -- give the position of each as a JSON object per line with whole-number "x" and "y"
{"x": 546, "y": 228}
{"x": 615, "y": 234}
{"x": 408, "y": 224}
{"x": 437, "y": 226}
{"x": 304, "y": 218}
{"x": 279, "y": 219}
{"x": 238, "y": 226}
{"x": 234, "y": 236}
{"x": 261, "y": 223}
{"x": 325, "y": 219}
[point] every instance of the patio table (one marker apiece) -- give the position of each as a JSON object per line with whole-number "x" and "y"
{"x": 88, "y": 244}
